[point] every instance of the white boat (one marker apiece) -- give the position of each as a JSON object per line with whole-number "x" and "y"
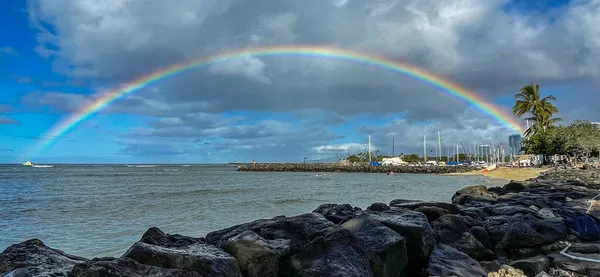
{"x": 27, "y": 163}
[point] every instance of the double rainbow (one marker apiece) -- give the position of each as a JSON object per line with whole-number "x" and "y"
{"x": 327, "y": 52}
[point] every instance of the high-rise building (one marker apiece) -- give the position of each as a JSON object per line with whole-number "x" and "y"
{"x": 514, "y": 143}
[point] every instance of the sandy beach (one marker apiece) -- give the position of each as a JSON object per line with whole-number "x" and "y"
{"x": 508, "y": 173}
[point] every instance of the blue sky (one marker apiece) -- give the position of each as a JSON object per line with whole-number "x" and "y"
{"x": 59, "y": 57}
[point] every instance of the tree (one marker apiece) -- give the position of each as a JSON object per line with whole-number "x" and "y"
{"x": 541, "y": 109}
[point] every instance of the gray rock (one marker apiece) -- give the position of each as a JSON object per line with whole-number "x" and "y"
{"x": 477, "y": 193}
{"x": 515, "y": 186}
{"x": 386, "y": 248}
{"x": 336, "y": 254}
{"x": 121, "y": 267}
{"x": 491, "y": 266}
{"x": 256, "y": 256}
{"x": 178, "y": 252}
{"x": 338, "y": 213}
{"x": 413, "y": 226}
{"x": 299, "y": 230}
{"x": 451, "y": 231}
{"x": 378, "y": 207}
{"x": 532, "y": 266}
{"x": 34, "y": 258}
{"x": 525, "y": 231}
{"x": 447, "y": 261}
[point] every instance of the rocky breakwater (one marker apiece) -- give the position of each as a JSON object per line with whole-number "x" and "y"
{"x": 536, "y": 228}
{"x": 362, "y": 167}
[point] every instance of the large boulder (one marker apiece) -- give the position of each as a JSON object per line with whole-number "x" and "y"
{"x": 452, "y": 231}
{"x": 478, "y": 193}
{"x": 179, "y": 252}
{"x": 121, "y": 267}
{"x": 413, "y": 226}
{"x": 299, "y": 230}
{"x": 526, "y": 231}
{"x": 336, "y": 254}
{"x": 446, "y": 261}
{"x": 338, "y": 212}
{"x": 576, "y": 262}
{"x": 256, "y": 256}
{"x": 386, "y": 248}
{"x": 34, "y": 258}
{"x": 533, "y": 265}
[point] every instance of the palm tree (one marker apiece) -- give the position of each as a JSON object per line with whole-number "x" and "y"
{"x": 541, "y": 109}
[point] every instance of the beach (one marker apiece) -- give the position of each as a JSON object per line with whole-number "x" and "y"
{"x": 506, "y": 173}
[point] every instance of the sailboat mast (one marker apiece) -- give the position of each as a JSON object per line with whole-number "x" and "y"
{"x": 369, "y": 149}
{"x": 439, "y": 147}
{"x": 457, "y": 154}
{"x": 425, "y": 148}
{"x": 393, "y": 146}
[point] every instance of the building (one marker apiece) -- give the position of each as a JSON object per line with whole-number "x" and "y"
{"x": 514, "y": 143}
{"x": 596, "y": 123}
{"x": 393, "y": 161}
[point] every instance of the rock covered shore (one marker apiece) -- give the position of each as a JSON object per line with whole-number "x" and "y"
{"x": 333, "y": 167}
{"x": 519, "y": 229}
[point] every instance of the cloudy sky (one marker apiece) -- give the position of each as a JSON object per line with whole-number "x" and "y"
{"x": 58, "y": 56}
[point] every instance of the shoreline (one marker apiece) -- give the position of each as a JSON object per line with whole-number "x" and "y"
{"x": 530, "y": 227}
{"x": 507, "y": 173}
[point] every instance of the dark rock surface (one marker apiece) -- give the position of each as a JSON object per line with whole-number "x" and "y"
{"x": 185, "y": 253}
{"x": 33, "y": 257}
{"x": 522, "y": 225}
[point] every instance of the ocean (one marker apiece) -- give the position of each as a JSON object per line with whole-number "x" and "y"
{"x": 101, "y": 210}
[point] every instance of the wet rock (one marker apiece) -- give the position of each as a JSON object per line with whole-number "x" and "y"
{"x": 532, "y": 266}
{"x": 34, "y": 258}
{"x": 386, "y": 248}
{"x": 113, "y": 267}
{"x": 491, "y": 266}
{"x": 413, "y": 226}
{"x": 514, "y": 186}
{"x": 478, "y": 193}
{"x": 447, "y": 261}
{"x": 415, "y": 204}
{"x": 179, "y": 252}
{"x": 336, "y": 254}
{"x": 378, "y": 207}
{"x": 524, "y": 231}
{"x": 256, "y": 256}
{"x": 432, "y": 213}
{"x": 299, "y": 230}
{"x": 452, "y": 231}
{"x": 507, "y": 271}
{"x": 338, "y": 213}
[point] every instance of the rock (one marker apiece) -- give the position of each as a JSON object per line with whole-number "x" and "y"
{"x": 386, "y": 248}
{"x": 532, "y": 266}
{"x": 256, "y": 256}
{"x": 481, "y": 234}
{"x": 34, "y": 258}
{"x": 432, "y": 213}
{"x": 179, "y": 252}
{"x": 543, "y": 274}
{"x": 415, "y": 204}
{"x": 507, "y": 271}
{"x": 121, "y": 267}
{"x": 338, "y": 212}
{"x": 336, "y": 254}
{"x": 514, "y": 186}
{"x": 451, "y": 231}
{"x": 546, "y": 213}
{"x": 491, "y": 266}
{"x": 413, "y": 226}
{"x": 378, "y": 207}
{"x": 525, "y": 231}
{"x": 586, "y": 227}
{"x": 299, "y": 230}
{"x": 478, "y": 193}
{"x": 447, "y": 261}
{"x": 579, "y": 250}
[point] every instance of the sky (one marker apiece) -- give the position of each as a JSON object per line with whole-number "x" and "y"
{"x": 57, "y": 57}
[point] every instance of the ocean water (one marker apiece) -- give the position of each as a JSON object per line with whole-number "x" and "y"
{"x": 95, "y": 211}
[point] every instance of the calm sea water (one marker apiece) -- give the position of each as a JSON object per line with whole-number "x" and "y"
{"x": 97, "y": 211}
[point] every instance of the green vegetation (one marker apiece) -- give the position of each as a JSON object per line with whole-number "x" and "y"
{"x": 579, "y": 140}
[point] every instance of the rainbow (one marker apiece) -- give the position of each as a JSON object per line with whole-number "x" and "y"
{"x": 327, "y": 52}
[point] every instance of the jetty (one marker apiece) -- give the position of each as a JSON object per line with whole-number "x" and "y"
{"x": 358, "y": 167}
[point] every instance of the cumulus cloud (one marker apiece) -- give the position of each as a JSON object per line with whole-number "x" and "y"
{"x": 492, "y": 47}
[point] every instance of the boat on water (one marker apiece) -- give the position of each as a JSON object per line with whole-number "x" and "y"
{"x": 30, "y": 164}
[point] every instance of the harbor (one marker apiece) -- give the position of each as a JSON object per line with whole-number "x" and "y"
{"x": 355, "y": 167}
